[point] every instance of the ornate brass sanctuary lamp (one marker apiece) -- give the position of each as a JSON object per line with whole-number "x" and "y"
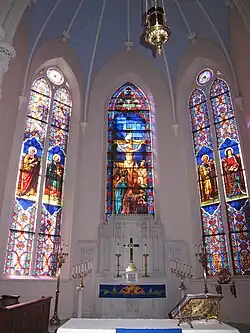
{"x": 156, "y": 30}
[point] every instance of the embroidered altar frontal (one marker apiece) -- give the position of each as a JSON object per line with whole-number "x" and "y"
{"x": 132, "y": 291}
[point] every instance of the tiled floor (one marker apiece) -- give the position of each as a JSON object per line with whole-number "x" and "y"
{"x": 243, "y": 328}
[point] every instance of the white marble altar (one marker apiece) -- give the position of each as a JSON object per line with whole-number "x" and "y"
{"x": 150, "y": 236}
{"x": 143, "y": 229}
{"x": 110, "y": 325}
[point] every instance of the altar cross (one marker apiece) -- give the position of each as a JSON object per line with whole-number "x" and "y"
{"x": 131, "y": 246}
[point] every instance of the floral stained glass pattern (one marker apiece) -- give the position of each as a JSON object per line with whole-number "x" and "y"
{"x": 129, "y": 153}
{"x": 233, "y": 174}
{"x": 35, "y": 216}
{"x": 210, "y": 206}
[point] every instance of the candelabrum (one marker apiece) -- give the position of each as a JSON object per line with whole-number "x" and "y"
{"x": 145, "y": 261}
{"x": 118, "y": 264}
{"x": 81, "y": 271}
{"x": 201, "y": 255}
{"x": 182, "y": 271}
{"x": 60, "y": 257}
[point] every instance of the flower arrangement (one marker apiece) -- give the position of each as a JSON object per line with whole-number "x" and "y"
{"x": 224, "y": 276}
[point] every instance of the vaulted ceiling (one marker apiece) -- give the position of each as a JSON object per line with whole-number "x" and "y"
{"x": 98, "y": 29}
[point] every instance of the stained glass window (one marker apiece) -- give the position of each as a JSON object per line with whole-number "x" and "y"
{"x": 226, "y": 200}
{"x": 210, "y": 205}
{"x": 129, "y": 155}
{"x": 233, "y": 175}
{"x": 34, "y": 234}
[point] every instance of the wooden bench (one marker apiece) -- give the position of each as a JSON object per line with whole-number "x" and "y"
{"x": 28, "y": 317}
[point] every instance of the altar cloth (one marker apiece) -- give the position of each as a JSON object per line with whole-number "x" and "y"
{"x": 87, "y": 325}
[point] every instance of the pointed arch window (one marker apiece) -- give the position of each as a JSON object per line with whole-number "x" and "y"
{"x": 221, "y": 176}
{"x": 35, "y": 226}
{"x": 129, "y": 155}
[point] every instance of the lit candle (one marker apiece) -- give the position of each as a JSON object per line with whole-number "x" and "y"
{"x": 145, "y": 248}
{"x": 91, "y": 265}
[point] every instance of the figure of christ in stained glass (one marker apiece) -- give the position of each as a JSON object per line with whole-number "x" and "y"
{"x": 130, "y": 178}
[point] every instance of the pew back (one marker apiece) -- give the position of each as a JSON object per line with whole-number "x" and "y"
{"x": 28, "y": 317}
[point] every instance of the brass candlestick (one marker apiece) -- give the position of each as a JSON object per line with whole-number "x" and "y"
{"x": 60, "y": 258}
{"x": 118, "y": 255}
{"x": 145, "y": 261}
{"x": 201, "y": 255}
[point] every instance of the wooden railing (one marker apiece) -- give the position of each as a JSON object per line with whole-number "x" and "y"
{"x": 28, "y": 317}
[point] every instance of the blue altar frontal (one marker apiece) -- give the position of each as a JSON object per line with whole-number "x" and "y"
{"x": 132, "y": 291}
{"x": 148, "y": 330}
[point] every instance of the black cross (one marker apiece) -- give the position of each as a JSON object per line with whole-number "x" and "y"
{"x": 131, "y": 246}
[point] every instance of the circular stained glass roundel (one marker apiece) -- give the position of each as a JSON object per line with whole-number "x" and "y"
{"x": 204, "y": 77}
{"x": 55, "y": 76}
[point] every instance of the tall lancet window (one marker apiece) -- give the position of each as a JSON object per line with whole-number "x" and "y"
{"x": 129, "y": 155}
{"x": 35, "y": 225}
{"x": 221, "y": 176}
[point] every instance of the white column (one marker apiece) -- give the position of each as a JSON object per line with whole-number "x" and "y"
{"x": 7, "y": 53}
{"x": 80, "y": 291}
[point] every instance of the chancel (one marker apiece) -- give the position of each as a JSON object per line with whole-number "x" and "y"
{"x": 124, "y": 185}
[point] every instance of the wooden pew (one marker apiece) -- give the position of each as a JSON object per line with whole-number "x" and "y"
{"x": 28, "y": 317}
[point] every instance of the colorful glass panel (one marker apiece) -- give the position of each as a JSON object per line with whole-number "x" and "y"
{"x": 41, "y": 131}
{"x": 47, "y": 246}
{"x": 23, "y": 217}
{"x": 129, "y": 97}
{"x": 129, "y": 153}
{"x": 216, "y": 251}
{"x": 211, "y": 214}
{"x": 51, "y": 213}
{"x": 204, "y": 77}
{"x": 233, "y": 174}
{"x": 18, "y": 256}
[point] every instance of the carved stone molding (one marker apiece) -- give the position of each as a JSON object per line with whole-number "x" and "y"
{"x": 7, "y": 52}
{"x": 2, "y": 34}
{"x": 22, "y": 102}
{"x": 238, "y": 101}
{"x": 83, "y": 126}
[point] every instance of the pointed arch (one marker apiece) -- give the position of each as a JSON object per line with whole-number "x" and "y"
{"x": 233, "y": 174}
{"x": 129, "y": 155}
{"x": 210, "y": 204}
{"x": 35, "y": 226}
